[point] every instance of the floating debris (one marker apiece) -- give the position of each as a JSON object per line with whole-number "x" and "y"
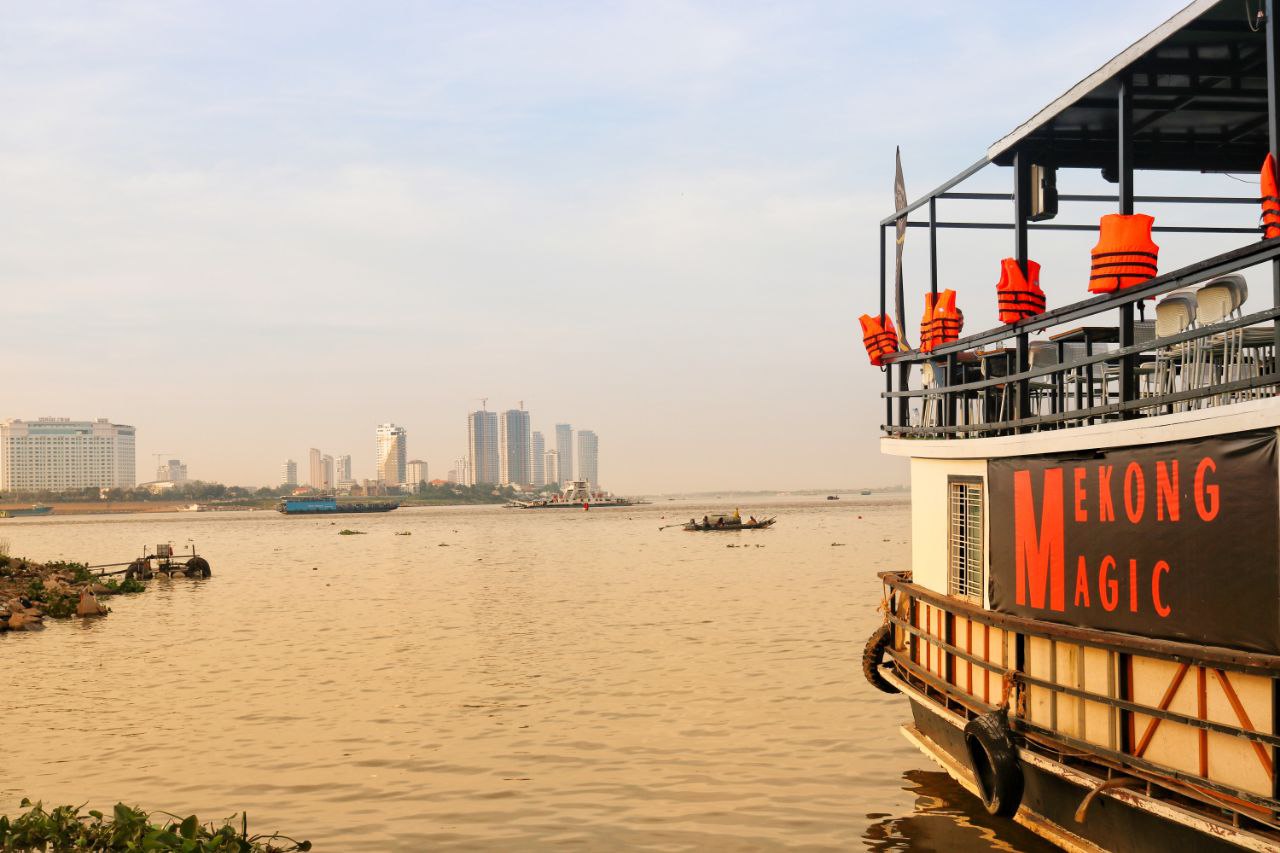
{"x": 404, "y": 533}
{"x": 345, "y": 532}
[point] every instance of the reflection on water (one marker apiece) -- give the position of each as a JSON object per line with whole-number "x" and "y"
{"x": 946, "y": 819}
{"x": 494, "y": 680}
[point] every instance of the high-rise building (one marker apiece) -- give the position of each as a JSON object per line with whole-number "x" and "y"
{"x": 172, "y": 471}
{"x": 589, "y": 457}
{"x": 460, "y": 473}
{"x": 537, "y": 453}
{"x": 316, "y": 480}
{"x": 342, "y": 469}
{"x": 326, "y": 473}
{"x": 513, "y": 448}
{"x": 416, "y": 472}
{"x": 551, "y": 465}
{"x": 57, "y": 454}
{"x": 289, "y": 474}
{"x": 392, "y": 454}
{"x": 482, "y": 447}
{"x": 564, "y": 447}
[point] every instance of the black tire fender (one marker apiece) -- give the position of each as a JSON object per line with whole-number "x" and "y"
{"x": 198, "y": 566}
{"x": 993, "y": 758}
{"x": 873, "y": 656}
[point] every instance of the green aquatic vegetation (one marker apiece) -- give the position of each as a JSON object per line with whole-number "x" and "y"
{"x": 79, "y": 571}
{"x": 128, "y": 585}
{"x": 345, "y": 532}
{"x": 127, "y": 829}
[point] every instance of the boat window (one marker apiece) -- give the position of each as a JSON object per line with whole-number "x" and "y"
{"x": 964, "y": 536}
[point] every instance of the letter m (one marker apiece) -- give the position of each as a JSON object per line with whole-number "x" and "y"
{"x": 1038, "y": 545}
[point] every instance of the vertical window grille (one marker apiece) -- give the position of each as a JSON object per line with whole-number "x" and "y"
{"x": 965, "y": 538}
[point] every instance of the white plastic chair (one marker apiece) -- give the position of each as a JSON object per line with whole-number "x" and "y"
{"x": 1174, "y": 314}
{"x": 1217, "y": 303}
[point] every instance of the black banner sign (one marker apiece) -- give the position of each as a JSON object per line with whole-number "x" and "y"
{"x": 1179, "y": 541}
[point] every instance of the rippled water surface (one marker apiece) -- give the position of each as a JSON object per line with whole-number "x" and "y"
{"x": 498, "y": 679}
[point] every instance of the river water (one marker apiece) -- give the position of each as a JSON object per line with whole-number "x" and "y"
{"x": 496, "y": 680}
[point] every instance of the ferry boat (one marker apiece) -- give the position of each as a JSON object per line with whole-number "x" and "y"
{"x": 577, "y": 494}
{"x": 1088, "y": 635}
{"x": 26, "y": 511}
{"x": 329, "y": 504}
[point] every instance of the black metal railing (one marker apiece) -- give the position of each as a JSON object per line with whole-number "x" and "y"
{"x": 977, "y": 392}
{"x": 939, "y": 676}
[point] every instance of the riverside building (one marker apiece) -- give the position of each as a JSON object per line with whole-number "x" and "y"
{"x": 513, "y": 443}
{"x": 417, "y": 473}
{"x": 289, "y": 473}
{"x": 316, "y": 465}
{"x": 392, "y": 454}
{"x": 551, "y": 465}
{"x": 58, "y": 454}
{"x": 564, "y": 447}
{"x": 538, "y": 452}
{"x": 482, "y": 447}
{"x": 589, "y": 457}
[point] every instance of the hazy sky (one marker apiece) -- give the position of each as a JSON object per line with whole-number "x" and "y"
{"x": 253, "y": 228}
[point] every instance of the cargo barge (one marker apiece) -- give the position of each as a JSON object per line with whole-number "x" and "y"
{"x": 26, "y": 512}
{"x": 329, "y": 505}
{"x": 1088, "y": 634}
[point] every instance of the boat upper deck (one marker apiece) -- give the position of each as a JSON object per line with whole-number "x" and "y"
{"x": 1200, "y": 93}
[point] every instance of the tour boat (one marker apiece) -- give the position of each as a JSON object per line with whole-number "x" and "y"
{"x": 577, "y": 494}
{"x": 1088, "y": 634}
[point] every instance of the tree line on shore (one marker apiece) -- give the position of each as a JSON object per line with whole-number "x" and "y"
{"x": 198, "y": 491}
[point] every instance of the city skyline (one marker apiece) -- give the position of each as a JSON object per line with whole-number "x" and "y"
{"x": 419, "y": 164}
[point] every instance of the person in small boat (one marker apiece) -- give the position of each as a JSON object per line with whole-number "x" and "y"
{"x": 751, "y": 519}
{"x": 720, "y": 521}
{"x": 706, "y": 521}
{"x": 737, "y": 516}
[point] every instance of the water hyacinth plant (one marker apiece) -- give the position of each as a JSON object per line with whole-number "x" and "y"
{"x": 131, "y": 829}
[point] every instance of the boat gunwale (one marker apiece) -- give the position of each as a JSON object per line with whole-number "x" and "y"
{"x": 1236, "y": 660}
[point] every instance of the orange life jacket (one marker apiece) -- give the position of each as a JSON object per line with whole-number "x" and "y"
{"x": 926, "y": 325}
{"x": 1270, "y": 222}
{"x": 942, "y": 321}
{"x": 1125, "y": 255}
{"x": 879, "y": 337}
{"x": 1018, "y": 296}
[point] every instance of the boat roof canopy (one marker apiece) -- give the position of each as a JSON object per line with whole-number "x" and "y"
{"x": 1199, "y": 93}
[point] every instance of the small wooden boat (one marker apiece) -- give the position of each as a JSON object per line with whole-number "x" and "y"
{"x": 728, "y": 522}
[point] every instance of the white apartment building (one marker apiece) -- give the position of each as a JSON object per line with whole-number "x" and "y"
{"x": 538, "y": 446}
{"x": 589, "y": 457}
{"x": 417, "y": 473}
{"x": 289, "y": 473}
{"x": 551, "y": 465}
{"x": 58, "y": 454}
{"x": 391, "y": 454}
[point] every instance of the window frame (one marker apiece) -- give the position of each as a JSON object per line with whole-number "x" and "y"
{"x": 962, "y": 545}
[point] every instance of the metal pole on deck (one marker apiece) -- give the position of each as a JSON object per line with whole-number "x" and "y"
{"x": 1273, "y": 138}
{"x": 1124, "y": 172}
{"x": 1273, "y": 130}
{"x": 888, "y": 371}
{"x": 945, "y": 379}
{"x": 1021, "y": 213}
